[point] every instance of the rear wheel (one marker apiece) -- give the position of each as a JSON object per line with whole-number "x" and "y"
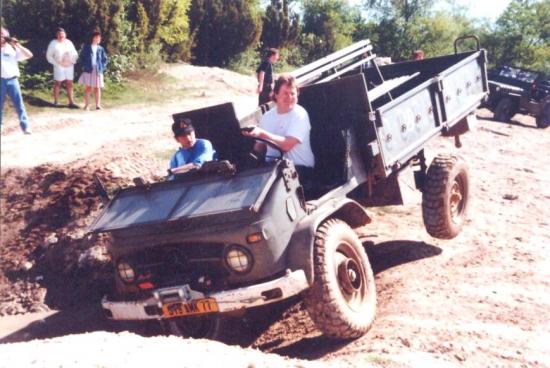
{"x": 445, "y": 197}
{"x": 342, "y": 299}
{"x": 504, "y": 110}
{"x": 543, "y": 120}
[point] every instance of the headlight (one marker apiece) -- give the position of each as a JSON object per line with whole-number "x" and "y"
{"x": 238, "y": 259}
{"x": 126, "y": 272}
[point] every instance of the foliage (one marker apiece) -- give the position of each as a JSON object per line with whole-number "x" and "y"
{"x": 522, "y": 36}
{"x": 247, "y": 61}
{"x": 281, "y": 26}
{"x": 223, "y": 29}
{"x": 164, "y": 22}
{"x": 328, "y": 25}
{"x": 119, "y": 66}
{"x": 37, "y": 21}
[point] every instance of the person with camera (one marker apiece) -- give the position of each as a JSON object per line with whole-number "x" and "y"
{"x": 12, "y": 54}
{"x": 62, "y": 55}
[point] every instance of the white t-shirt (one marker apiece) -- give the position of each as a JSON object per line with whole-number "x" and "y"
{"x": 10, "y": 57}
{"x": 294, "y": 123}
{"x": 61, "y": 53}
{"x": 94, "y": 55}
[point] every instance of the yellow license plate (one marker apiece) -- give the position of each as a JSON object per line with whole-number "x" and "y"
{"x": 194, "y": 307}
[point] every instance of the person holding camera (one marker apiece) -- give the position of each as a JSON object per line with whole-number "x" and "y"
{"x": 12, "y": 53}
{"x": 62, "y": 55}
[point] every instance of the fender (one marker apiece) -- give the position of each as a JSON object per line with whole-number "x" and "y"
{"x": 300, "y": 249}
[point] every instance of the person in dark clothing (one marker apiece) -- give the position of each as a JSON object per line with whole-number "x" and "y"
{"x": 264, "y": 73}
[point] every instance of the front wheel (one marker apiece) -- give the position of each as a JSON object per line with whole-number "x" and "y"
{"x": 342, "y": 300}
{"x": 445, "y": 197}
{"x": 504, "y": 110}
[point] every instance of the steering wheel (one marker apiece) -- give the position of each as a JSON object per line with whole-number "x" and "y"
{"x": 272, "y": 145}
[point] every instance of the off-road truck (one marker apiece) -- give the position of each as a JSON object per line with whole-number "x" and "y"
{"x": 514, "y": 90}
{"x": 239, "y": 232}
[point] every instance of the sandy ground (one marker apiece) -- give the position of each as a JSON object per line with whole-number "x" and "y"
{"x": 479, "y": 300}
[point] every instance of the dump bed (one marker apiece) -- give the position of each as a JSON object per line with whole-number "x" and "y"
{"x": 395, "y": 109}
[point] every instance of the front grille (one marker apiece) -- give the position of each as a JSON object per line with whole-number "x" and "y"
{"x": 199, "y": 265}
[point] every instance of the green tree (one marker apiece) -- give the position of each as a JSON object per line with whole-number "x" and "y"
{"x": 36, "y": 22}
{"x": 165, "y": 22}
{"x": 281, "y": 27}
{"x": 328, "y": 25}
{"x": 522, "y": 36}
{"x": 223, "y": 29}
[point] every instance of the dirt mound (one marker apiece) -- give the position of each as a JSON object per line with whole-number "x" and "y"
{"x": 45, "y": 213}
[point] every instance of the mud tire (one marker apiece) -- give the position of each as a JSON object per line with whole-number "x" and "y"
{"x": 445, "y": 196}
{"x": 543, "y": 120}
{"x": 504, "y": 110}
{"x": 336, "y": 310}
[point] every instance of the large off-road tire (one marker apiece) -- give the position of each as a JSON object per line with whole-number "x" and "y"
{"x": 445, "y": 196}
{"x": 543, "y": 120}
{"x": 342, "y": 300}
{"x": 504, "y": 110}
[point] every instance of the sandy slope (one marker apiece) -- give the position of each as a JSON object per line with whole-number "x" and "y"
{"x": 479, "y": 300}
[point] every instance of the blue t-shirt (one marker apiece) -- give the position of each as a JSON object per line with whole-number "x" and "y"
{"x": 201, "y": 152}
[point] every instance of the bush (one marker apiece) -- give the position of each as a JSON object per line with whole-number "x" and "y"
{"x": 245, "y": 63}
{"x": 41, "y": 80}
{"x": 118, "y": 67}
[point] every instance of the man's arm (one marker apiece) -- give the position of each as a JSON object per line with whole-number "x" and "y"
{"x": 285, "y": 143}
{"x": 261, "y": 75}
{"x": 50, "y": 52}
{"x": 22, "y": 52}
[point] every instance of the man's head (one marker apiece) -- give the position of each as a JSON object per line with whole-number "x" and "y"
{"x": 272, "y": 54}
{"x": 418, "y": 55}
{"x": 184, "y": 133}
{"x": 60, "y": 34}
{"x": 285, "y": 93}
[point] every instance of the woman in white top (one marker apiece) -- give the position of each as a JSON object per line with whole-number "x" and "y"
{"x": 62, "y": 55}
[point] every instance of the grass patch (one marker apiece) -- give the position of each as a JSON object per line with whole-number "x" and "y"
{"x": 139, "y": 88}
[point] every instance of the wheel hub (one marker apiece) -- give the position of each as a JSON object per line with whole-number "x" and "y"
{"x": 455, "y": 200}
{"x": 349, "y": 275}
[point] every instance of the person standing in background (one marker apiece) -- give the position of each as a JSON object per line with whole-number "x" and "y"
{"x": 418, "y": 55}
{"x": 12, "y": 53}
{"x": 94, "y": 60}
{"x": 62, "y": 55}
{"x": 264, "y": 74}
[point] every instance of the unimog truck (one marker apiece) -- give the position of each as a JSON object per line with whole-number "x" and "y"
{"x": 240, "y": 232}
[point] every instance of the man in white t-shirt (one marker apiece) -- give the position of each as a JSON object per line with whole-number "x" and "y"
{"x": 62, "y": 55}
{"x": 12, "y": 53}
{"x": 288, "y": 127}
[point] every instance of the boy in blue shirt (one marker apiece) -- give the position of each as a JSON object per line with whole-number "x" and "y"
{"x": 193, "y": 152}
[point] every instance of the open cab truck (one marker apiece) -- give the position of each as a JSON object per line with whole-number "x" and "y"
{"x": 239, "y": 233}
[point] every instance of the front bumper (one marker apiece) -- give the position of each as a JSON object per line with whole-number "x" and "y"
{"x": 231, "y": 300}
